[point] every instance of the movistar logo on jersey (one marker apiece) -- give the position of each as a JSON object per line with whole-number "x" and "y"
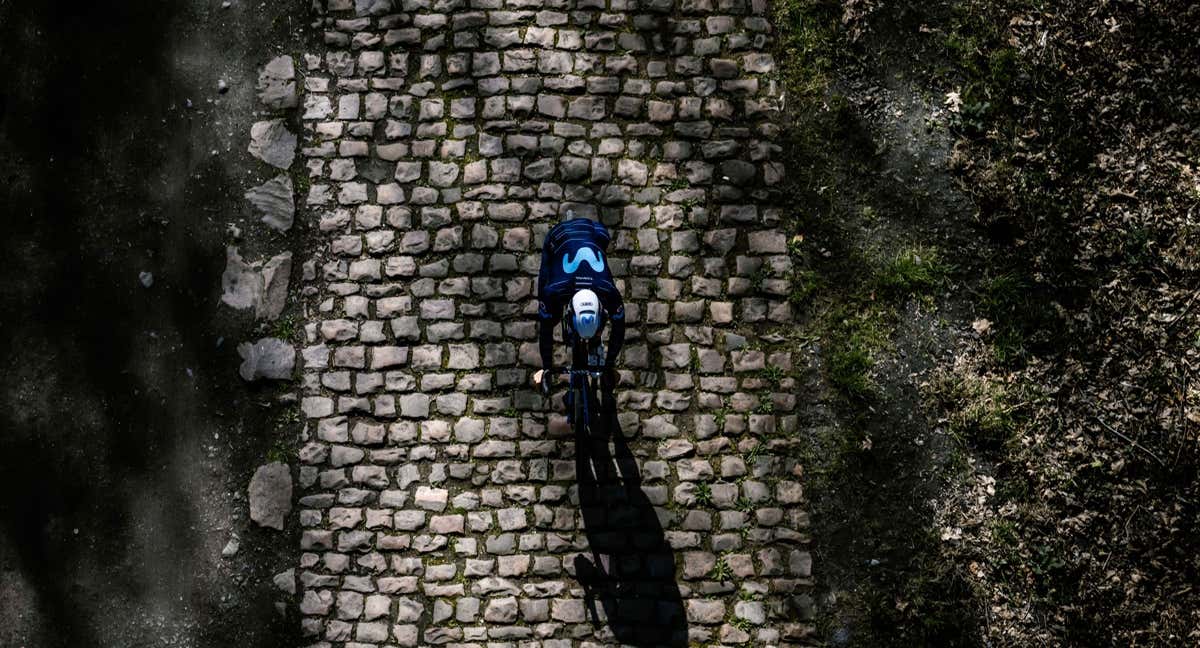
{"x": 583, "y": 255}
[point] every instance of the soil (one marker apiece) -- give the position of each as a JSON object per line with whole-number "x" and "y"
{"x": 877, "y": 465}
{"x": 128, "y": 437}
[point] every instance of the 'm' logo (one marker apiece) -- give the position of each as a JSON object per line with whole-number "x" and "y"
{"x": 583, "y": 255}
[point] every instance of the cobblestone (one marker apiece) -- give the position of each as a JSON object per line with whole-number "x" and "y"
{"x": 441, "y": 504}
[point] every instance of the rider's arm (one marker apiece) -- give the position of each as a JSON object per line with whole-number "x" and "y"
{"x": 616, "y": 335}
{"x": 546, "y": 344}
{"x": 548, "y": 316}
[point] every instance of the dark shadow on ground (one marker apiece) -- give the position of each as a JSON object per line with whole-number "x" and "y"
{"x": 870, "y": 173}
{"x": 114, "y": 499}
{"x": 631, "y": 572}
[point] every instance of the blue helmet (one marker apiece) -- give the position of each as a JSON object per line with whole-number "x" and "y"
{"x": 585, "y": 307}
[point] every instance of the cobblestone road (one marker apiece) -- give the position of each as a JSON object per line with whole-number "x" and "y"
{"x": 441, "y": 504}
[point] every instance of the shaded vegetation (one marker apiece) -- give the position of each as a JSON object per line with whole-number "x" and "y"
{"x": 862, "y": 265}
{"x": 1078, "y": 148}
{"x": 1063, "y": 446}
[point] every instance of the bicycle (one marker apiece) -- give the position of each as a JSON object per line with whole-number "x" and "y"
{"x": 587, "y": 370}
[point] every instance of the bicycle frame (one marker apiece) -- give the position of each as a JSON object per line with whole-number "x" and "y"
{"x": 586, "y": 359}
{"x": 581, "y": 393}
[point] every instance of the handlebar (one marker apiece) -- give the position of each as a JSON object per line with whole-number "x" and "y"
{"x": 546, "y": 381}
{"x": 594, "y": 373}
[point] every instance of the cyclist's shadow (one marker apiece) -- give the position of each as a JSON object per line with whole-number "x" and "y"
{"x": 636, "y": 587}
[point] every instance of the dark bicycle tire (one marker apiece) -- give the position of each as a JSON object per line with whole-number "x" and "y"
{"x": 578, "y": 405}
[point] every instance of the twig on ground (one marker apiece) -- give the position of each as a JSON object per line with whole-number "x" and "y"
{"x": 1135, "y": 444}
{"x": 1186, "y": 309}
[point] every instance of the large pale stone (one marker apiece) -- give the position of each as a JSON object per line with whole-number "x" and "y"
{"x": 270, "y": 358}
{"x": 286, "y": 581}
{"x": 277, "y": 84}
{"x": 270, "y": 495}
{"x": 241, "y": 282}
{"x": 273, "y": 143}
{"x": 275, "y": 276}
{"x": 260, "y": 286}
{"x": 275, "y": 201}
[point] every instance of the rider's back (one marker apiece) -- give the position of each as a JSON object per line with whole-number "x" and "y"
{"x": 575, "y": 251}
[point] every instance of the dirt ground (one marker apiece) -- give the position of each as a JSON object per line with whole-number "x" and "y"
{"x": 128, "y": 438}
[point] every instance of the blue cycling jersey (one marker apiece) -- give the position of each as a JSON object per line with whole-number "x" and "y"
{"x": 575, "y": 257}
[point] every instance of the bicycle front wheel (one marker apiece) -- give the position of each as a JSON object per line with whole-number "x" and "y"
{"x": 579, "y": 409}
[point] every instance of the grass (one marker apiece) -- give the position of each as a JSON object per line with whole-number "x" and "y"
{"x": 804, "y": 286}
{"x": 854, "y": 339}
{"x": 288, "y": 415}
{"x": 862, "y": 467}
{"x": 757, "y": 279}
{"x": 1001, "y": 292}
{"x": 285, "y": 327}
{"x": 807, "y": 31}
{"x": 302, "y": 183}
{"x": 1005, "y": 537}
{"x": 1021, "y": 318}
{"x": 860, "y": 315}
{"x": 278, "y": 453}
{"x": 754, "y": 453}
{"x": 912, "y": 271}
{"x": 677, "y": 184}
{"x": 980, "y": 411}
{"x": 720, "y": 415}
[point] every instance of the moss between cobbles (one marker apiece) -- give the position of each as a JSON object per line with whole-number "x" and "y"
{"x": 721, "y": 570}
{"x": 302, "y": 183}
{"x": 284, "y": 328}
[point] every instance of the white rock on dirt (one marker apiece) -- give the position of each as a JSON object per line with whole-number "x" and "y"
{"x": 273, "y": 143}
{"x": 269, "y": 358}
{"x": 241, "y": 283}
{"x": 275, "y": 276}
{"x": 271, "y": 495}
{"x": 286, "y": 581}
{"x": 260, "y": 286}
{"x": 274, "y": 200}
{"x": 277, "y": 84}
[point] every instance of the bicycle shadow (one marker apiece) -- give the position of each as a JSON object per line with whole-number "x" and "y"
{"x": 636, "y": 586}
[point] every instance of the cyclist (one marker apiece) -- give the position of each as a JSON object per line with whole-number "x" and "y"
{"x": 575, "y": 270}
